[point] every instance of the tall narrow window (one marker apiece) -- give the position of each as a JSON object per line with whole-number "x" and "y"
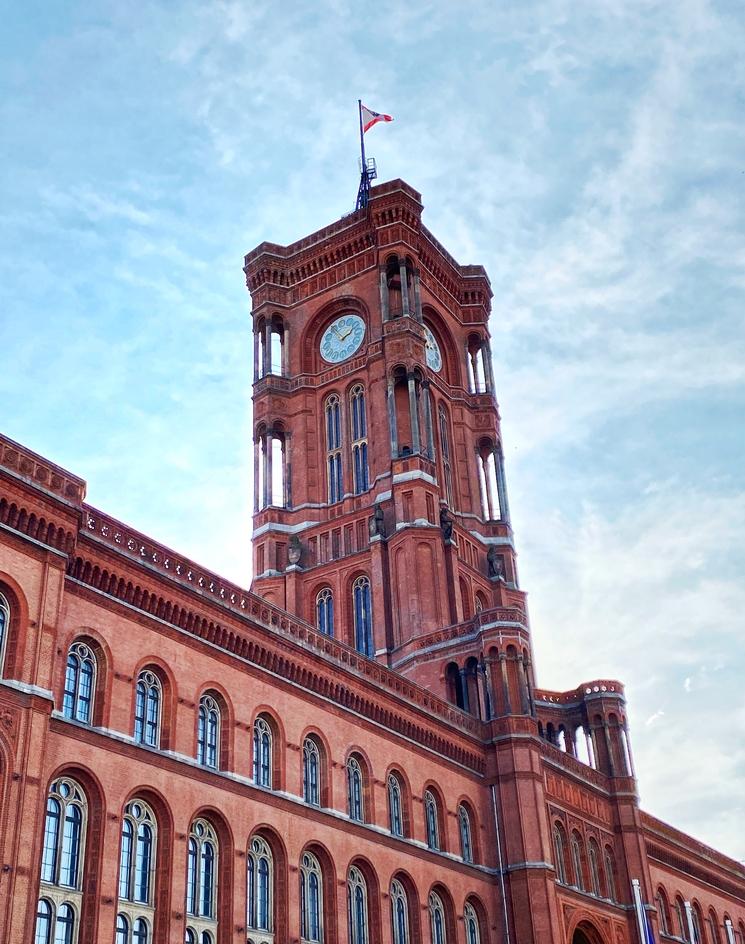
{"x": 473, "y": 935}
{"x": 325, "y": 612}
{"x": 362, "y": 616}
{"x": 262, "y": 747}
{"x": 610, "y": 879}
{"x": 4, "y": 627}
{"x": 447, "y": 468}
{"x": 437, "y": 919}
{"x": 311, "y": 900}
{"x": 466, "y": 839}
{"x": 208, "y": 731}
{"x": 333, "y": 448}
{"x": 311, "y": 772}
{"x": 431, "y": 817}
{"x": 260, "y": 885}
{"x": 355, "y": 794}
{"x": 559, "y": 856}
{"x": 80, "y": 678}
{"x": 395, "y": 806}
{"x": 61, "y": 863}
{"x": 399, "y": 913}
{"x": 147, "y": 709}
{"x": 592, "y": 856}
{"x": 577, "y": 862}
{"x": 136, "y": 871}
{"x": 359, "y": 439}
{"x": 359, "y": 930}
{"x": 201, "y": 882}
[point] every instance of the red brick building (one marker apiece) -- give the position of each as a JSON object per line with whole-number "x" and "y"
{"x": 356, "y": 749}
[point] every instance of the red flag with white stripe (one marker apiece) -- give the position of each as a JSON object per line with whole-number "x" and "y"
{"x": 370, "y": 118}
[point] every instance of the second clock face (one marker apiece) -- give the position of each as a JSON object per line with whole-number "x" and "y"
{"x": 342, "y": 338}
{"x": 434, "y": 355}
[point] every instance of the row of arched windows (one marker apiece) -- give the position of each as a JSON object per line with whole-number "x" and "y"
{"x": 686, "y": 921}
{"x": 78, "y": 702}
{"x": 582, "y": 865}
{"x": 62, "y": 882}
{"x": 361, "y": 614}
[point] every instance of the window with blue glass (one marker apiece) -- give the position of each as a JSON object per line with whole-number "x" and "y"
{"x": 260, "y": 907}
{"x": 395, "y": 805}
{"x": 147, "y": 709}
{"x": 311, "y": 772}
{"x": 61, "y": 863}
{"x": 201, "y": 882}
{"x": 262, "y": 750}
{"x": 208, "y": 731}
{"x": 359, "y": 930}
{"x": 80, "y": 680}
{"x": 4, "y": 627}
{"x": 399, "y": 913}
{"x": 466, "y": 838}
{"x": 325, "y": 612}
{"x": 431, "y": 816}
{"x": 333, "y": 448}
{"x": 363, "y": 637}
{"x": 437, "y": 919}
{"x": 470, "y": 918}
{"x": 359, "y": 439}
{"x": 355, "y": 790}
{"x": 136, "y": 871}
{"x": 311, "y": 900}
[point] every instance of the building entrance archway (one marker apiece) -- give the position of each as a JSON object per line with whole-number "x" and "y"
{"x": 586, "y": 933}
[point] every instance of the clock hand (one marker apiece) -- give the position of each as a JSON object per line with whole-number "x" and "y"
{"x": 336, "y": 332}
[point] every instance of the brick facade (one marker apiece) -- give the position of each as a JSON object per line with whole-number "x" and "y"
{"x": 519, "y": 819}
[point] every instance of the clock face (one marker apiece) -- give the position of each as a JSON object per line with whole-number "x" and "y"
{"x": 342, "y": 338}
{"x": 434, "y": 355}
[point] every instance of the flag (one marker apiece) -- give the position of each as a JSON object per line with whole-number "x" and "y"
{"x": 370, "y": 118}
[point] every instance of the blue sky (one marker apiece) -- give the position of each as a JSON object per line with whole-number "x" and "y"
{"x": 588, "y": 152}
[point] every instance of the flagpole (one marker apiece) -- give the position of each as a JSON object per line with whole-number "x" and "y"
{"x": 639, "y": 909}
{"x": 362, "y": 137}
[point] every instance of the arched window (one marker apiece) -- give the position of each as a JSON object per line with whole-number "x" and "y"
{"x": 363, "y": 641}
{"x": 311, "y": 772}
{"x": 473, "y": 933}
{"x": 80, "y": 681}
{"x": 136, "y": 873}
{"x": 680, "y": 912}
{"x": 437, "y": 919}
{"x": 395, "y": 805}
{"x": 44, "y": 914}
{"x": 61, "y": 863}
{"x": 399, "y": 913}
{"x": 714, "y": 925}
{"x": 355, "y": 790}
{"x": 490, "y": 462}
{"x": 663, "y": 912}
{"x": 4, "y": 627}
{"x": 325, "y": 612}
{"x": 445, "y": 452}
{"x": 271, "y": 467}
{"x": 359, "y": 930}
{"x": 262, "y": 745}
{"x": 147, "y": 709}
{"x": 333, "y": 448}
{"x": 311, "y": 900}
{"x": 260, "y": 885}
{"x": 208, "y": 732}
{"x": 593, "y": 858}
{"x": 359, "y": 439}
{"x": 466, "y": 838}
{"x": 560, "y": 856}
{"x": 610, "y": 877}
{"x": 201, "y": 882}
{"x": 431, "y": 820}
{"x": 696, "y": 921}
{"x": 577, "y": 861}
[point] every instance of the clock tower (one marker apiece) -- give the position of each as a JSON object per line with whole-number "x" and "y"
{"x": 381, "y": 515}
